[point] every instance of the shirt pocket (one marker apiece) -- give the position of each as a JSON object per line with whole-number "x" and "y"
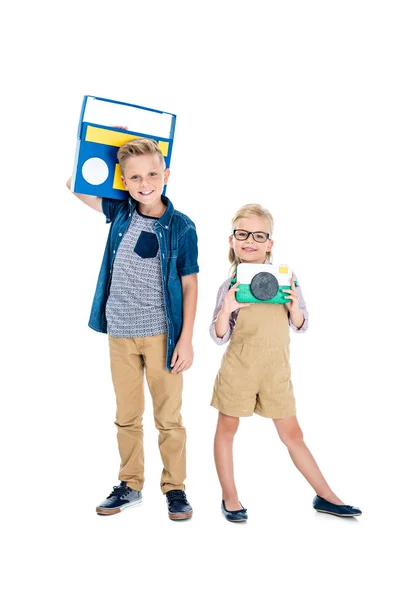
{"x": 147, "y": 245}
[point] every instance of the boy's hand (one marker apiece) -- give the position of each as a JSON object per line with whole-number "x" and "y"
{"x": 230, "y": 303}
{"x": 182, "y": 358}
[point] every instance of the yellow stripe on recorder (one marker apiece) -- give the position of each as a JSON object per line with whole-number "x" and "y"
{"x": 117, "y": 183}
{"x": 99, "y": 135}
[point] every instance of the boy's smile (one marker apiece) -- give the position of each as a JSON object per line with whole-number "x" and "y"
{"x": 250, "y": 250}
{"x": 144, "y": 177}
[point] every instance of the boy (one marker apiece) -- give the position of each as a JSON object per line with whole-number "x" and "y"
{"x": 146, "y": 300}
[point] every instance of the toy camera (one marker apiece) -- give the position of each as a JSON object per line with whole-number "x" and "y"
{"x": 263, "y": 283}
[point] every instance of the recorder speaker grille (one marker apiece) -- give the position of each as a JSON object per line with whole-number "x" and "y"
{"x": 264, "y": 286}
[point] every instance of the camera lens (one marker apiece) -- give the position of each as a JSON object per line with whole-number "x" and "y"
{"x": 264, "y": 286}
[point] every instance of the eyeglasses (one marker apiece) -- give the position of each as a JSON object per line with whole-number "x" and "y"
{"x": 258, "y": 236}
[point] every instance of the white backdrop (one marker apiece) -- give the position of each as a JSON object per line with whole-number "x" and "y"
{"x": 291, "y": 104}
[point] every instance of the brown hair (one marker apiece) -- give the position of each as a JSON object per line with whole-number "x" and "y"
{"x": 138, "y": 147}
{"x": 249, "y": 210}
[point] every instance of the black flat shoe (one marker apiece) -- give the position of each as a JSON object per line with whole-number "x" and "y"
{"x": 235, "y": 516}
{"x": 339, "y": 510}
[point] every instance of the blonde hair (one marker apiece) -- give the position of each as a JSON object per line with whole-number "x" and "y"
{"x": 138, "y": 147}
{"x": 249, "y": 210}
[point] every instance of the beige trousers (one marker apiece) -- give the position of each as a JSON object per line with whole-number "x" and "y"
{"x": 131, "y": 358}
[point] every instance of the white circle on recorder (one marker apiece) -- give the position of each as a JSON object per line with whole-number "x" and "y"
{"x": 95, "y": 171}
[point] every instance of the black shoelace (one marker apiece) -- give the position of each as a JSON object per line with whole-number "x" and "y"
{"x": 176, "y": 495}
{"x": 120, "y": 491}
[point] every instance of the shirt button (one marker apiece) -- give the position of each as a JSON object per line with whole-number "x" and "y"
{"x": 114, "y": 251}
{"x": 166, "y": 227}
{"x": 120, "y": 234}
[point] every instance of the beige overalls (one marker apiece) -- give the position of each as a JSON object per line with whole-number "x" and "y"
{"x": 254, "y": 376}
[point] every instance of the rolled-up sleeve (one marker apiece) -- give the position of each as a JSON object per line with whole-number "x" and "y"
{"x": 188, "y": 252}
{"x": 232, "y": 319}
{"x": 109, "y": 208}
{"x": 303, "y": 308}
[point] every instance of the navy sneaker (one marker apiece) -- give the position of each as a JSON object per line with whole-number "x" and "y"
{"x": 339, "y": 510}
{"x": 234, "y": 516}
{"x": 120, "y": 498}
{"x": 179, "y": 508}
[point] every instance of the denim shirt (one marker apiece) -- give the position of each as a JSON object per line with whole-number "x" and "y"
{"x": 177, "y": 240}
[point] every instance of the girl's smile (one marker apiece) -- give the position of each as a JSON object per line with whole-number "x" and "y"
{"x": 250, "y": 250}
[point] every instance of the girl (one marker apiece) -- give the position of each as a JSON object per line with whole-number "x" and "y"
{"x": 255, "y": 372}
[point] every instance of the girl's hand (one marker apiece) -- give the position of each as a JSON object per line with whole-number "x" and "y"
{"x": 295, "y": 312}
{"x": 230, "y": 303}
{"x": 293, "y": 304}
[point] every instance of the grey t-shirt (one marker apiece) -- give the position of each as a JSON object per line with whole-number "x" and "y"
{"x": 135, "y": 306}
